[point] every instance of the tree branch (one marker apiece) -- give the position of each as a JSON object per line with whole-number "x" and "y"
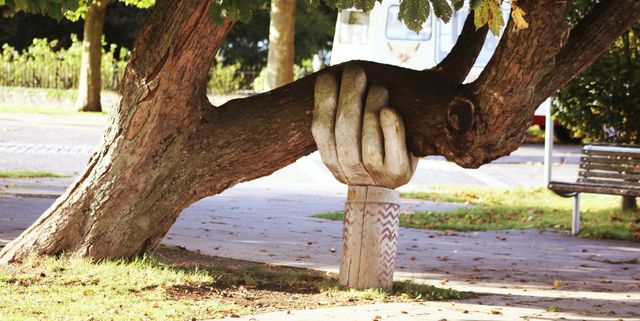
{"x": 458, "y": 63}
{"x": 502, "y": 100}
{"x": 589, "y": 39}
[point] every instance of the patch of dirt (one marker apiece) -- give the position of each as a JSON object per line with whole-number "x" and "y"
{"x": 262, "y": 287}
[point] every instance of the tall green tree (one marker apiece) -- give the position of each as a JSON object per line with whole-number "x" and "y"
{"x": 167, "y": 147}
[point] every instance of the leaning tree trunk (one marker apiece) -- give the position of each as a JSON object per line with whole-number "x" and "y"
{"x": 281, "y": 55}
{"x": 167, "y": 146}
{"x": 90, "y": 78}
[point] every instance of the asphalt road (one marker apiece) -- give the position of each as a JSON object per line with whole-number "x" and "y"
{"x": 63, "y": 144}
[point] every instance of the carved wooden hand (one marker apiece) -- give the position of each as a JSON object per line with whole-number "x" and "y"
{"x": 360, "y": 146}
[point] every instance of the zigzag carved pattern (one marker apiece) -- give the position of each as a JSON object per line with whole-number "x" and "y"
{"x": 346, "y": 228}
{"x": 388, "y": 218}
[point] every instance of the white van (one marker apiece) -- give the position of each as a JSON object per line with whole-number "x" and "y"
{"x": 380, "y": 36}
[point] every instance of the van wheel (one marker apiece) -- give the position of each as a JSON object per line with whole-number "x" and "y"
{"x": 563, "y": 135}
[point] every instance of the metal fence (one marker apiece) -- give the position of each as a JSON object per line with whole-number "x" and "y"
{"x": 60, "y": 75}
{"x": 231, "y": 79}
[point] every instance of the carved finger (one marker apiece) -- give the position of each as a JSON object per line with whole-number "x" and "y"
{"x": 324, "y": 120}
{"x": 397, "y": 158}
{"x": 372, "y": 139}
{"x": 349, "y": 126}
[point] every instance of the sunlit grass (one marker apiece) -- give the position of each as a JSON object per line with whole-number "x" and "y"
{"x": 76, "y": 289}
{"x": 30, "y": 174}
{"x": 146, "y": 289}
{"x": 44, "y": 109}
{"x": 519, "y": 208}
{"x": 403, "y": 289}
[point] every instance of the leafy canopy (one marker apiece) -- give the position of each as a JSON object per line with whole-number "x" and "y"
{"x": 58, "y": 9}
{"x": 413, "y": 13}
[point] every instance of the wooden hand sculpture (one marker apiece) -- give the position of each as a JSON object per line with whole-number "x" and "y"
{"x": 359, "y": 149}
{"x": 366, "y": 149}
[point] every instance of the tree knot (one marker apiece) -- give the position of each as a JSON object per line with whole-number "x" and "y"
{"x": 460, "y": 116}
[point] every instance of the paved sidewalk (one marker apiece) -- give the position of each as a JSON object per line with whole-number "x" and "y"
{"x": 63, "y": 143}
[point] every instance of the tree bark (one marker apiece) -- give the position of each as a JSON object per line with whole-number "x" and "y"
{"x": 167, "y": 146}
{"x": 90, "y": 77}
{"x": 281, "y": 55}
{"x": 628, "y": 203}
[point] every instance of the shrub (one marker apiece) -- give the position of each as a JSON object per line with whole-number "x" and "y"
{"x": 45, "y": 65}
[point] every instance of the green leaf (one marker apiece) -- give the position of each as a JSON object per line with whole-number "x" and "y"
{"x": 457, "y": 4}
{"x": 517, "y": 14}
{"x": 215, "y": 12}
{"x": 480, "y": 16}
{"x": 235, "y": 10}
{"x": 473, "y": 4}
{"x": 414, "y": 13}
{"x": 489, "y": 13}
{"x": 442, "y": 10}
{"x": 365, "y": 5}
{"x": 330, "y": 3}
{"x": 496, "y": 21}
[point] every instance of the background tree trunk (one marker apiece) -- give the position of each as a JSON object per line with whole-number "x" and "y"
{"x": 628, "y": 203}
{"x": 90, "y": 78}
{"x": 281, "y": 56}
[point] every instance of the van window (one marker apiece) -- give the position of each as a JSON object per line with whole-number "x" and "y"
{"x": 396, "y": 30}
{"x": 354, "y": 27}
{"x": 448, "y": 35}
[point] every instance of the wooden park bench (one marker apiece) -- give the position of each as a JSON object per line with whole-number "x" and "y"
{"x": 604, "y": 169}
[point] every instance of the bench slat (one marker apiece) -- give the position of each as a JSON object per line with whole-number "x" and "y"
{"x": 611, "y": 168}
{"x": 614, "y": 145}
{"x": 600, "y": 149}
{"x": 609, "y": 160}
{"x": 620, "y": 176}
{"x": 563, "y": 187}
{"x": 631, "y": 154}
{"x": 605, "y": 182}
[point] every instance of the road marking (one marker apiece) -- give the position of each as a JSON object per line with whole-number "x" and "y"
{"x": 45, "y": 149}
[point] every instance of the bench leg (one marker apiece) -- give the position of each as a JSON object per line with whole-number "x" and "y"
{"x": 575, "y": 215}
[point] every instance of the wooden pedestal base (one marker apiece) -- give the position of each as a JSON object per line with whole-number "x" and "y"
{"x": 370, "y": 237}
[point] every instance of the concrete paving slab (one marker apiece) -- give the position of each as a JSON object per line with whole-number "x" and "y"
{"x": 436, "y": 311}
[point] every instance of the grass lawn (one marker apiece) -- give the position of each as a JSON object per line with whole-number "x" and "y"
{"x": 175, "y": 284}
{"x": 44, "y": 109}
{"x": 30, "y": 174}
{"x": 519, "y": 208}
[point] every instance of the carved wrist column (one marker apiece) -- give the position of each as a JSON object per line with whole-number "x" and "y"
{"x": 370, "y": 237}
